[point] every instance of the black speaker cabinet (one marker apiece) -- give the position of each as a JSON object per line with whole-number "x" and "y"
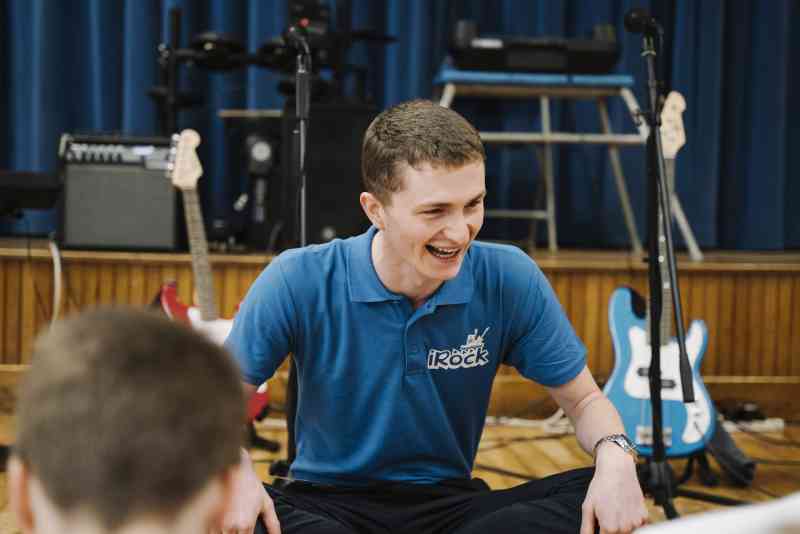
{"x": 117, "y": 196}
{"x": 333, "y": 170}
{"x": 254, "y": 164}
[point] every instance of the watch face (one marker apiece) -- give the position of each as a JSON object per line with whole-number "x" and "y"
{"x": 625, "y": 443}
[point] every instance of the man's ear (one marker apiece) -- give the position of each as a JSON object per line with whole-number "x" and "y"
{"x": 19, "y": 496}
{"x": 373, "y": 209}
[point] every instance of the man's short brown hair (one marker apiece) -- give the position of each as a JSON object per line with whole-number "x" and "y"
{"x": 125, "y": 414}
{"x": 412, "y": 134}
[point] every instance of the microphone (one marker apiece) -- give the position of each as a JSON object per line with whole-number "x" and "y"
{"x": 638, "y": 20}
{"x": 297, "y": 37}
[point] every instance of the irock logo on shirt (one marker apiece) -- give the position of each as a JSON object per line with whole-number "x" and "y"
{"x": 473, "y": 353}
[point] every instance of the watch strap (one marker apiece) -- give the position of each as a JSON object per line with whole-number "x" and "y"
{"x": 620, "y": 440}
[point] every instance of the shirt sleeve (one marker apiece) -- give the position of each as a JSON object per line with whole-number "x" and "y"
{"x": 264, "y": 329}
{"x": 543, "y": 345}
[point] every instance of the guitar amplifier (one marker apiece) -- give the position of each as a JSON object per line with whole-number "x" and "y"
{"x": 116, "y": 195}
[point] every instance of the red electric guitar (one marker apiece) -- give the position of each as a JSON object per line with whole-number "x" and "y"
{"x": 184, "y": 169}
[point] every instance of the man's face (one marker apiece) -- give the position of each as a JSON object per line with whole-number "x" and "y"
{"x": 430, "y": 223}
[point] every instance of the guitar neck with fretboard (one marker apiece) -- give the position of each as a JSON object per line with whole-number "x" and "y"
{"x": 673, "y": 138}
{"x": 184, "y": 171}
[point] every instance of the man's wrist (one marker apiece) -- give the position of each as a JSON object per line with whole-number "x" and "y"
{"x": 615, "y": 445}
{"x": 611, "y": 459}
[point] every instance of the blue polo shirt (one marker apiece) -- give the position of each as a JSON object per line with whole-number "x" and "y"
{"x": 386, "y": 391}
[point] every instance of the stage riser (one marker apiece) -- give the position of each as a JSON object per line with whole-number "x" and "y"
{"x": 753, "y": 316}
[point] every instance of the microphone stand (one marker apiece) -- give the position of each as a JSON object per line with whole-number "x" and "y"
{"x": 296, "y": 38}
{"x": 299, "y": 143}
{"x": 656, "y": 474}
{"x": 300, "y": 132}
{"x": 660, "y": 480}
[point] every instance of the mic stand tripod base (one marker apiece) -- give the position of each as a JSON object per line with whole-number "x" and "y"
{"x": 658, "y": 481}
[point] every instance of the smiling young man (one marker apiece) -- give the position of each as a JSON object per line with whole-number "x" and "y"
{"x": 397, "y": 335}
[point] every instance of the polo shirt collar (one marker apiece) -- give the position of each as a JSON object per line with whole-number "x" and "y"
{"x": 365, "y": 286}
{"x": 459, "y": 289}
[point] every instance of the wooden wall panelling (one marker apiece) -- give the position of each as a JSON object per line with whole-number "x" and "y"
{"x": 769, "y": 324}
{"x": 72, "y": 287}
{"x": 577, "y": 307}
{"x": 185, "y": 281}
{"x": 13, "y": 293}
{"x": 136, "y": 283}
{"x": 688, "y": 305}
{"x": 710, "y": 314}
{"x": 231, "y": 294}
{"x": 218, "y": 287}
{"x": 783, "y": 348}
{"x": 43, "y": 294}
{"x": 89, "y": 284}
{"x": 3, "y": 314}
{"x": 27, "y": 299}
{"x": 153, "y": 282}
{"x": 120, "y": 295}
{"x": 604, "y": 361}
{"x": 738, "y": 359}
{"x": 755, "y": 306}
{"x": 560, "y": 283}
{"x": 753, "y": 313}
{"x": 794, "y": 330}
{"x": 247, "y": 276}
{"x": 725, "y": 325}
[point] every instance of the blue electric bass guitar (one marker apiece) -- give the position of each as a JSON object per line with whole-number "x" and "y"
{"x": 687, "y": 427}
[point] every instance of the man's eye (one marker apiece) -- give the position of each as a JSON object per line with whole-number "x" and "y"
{"x": 434, "y": 211}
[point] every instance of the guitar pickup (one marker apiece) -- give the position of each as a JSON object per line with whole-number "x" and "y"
{"x": 644, "y": 435}
{"x": 666, "y": 383}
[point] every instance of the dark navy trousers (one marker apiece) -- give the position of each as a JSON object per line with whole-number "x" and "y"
{"x": 551, "y": 505}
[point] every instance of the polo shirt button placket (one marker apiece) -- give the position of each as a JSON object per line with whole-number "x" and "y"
{"x": 415, "y": 360}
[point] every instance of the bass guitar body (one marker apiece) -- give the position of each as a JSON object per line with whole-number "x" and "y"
{"x": 687, "y": 426}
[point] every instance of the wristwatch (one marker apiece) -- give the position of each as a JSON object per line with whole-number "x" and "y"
{"x": 621, "y": 440}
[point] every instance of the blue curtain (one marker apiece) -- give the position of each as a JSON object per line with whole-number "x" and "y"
{"x": 87, "y": 65}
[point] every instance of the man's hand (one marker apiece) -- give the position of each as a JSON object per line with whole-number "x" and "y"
{"x": 614, "y": 500}
{"x": 249, "y": 500}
